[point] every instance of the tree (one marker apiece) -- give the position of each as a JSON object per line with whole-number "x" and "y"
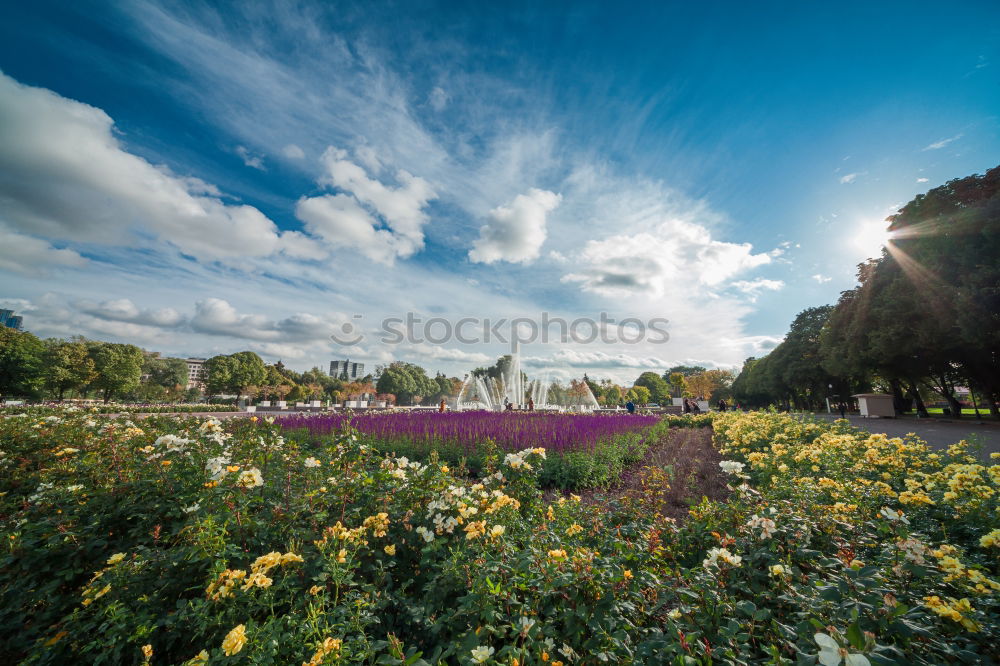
{"x": 21, "y": 363}
{"x": 677, "y": 383}
{"x": 169, "y": 373}
{"x": 710, "y": 382}
{"x": 610, "y": 394}
{"x": 233, "y": 373}
{"x": 640, "y": 395}
{"x": 248, "y": 370}
{"x": 118, "y": 368}
{"x": 659, "y": 390}
{"x": 408, "y": 382}
{"x": 684, "y": 370}
{"x": 218, "y": 374}
{"x": 66, "y": 366}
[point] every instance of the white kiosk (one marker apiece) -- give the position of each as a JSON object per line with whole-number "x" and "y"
{"x": 875, "y": 405}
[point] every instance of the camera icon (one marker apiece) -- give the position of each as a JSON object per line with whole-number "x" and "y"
{"x": 348, "y": 334}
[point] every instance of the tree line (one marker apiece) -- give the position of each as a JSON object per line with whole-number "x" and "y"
{"x": 923, "y": 319}
{"x": 55, "y": 368}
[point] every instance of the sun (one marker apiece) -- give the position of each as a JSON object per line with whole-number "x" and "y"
{"x": 870, "y": 237}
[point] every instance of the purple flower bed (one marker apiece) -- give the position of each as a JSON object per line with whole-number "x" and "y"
{"x": 557, "y": 433}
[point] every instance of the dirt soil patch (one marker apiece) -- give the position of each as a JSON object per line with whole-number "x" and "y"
{"x": 678, "y": 470}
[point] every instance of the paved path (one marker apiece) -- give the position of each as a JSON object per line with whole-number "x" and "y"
{"x": 938, "y": 433}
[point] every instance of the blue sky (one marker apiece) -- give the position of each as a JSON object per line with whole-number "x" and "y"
{"x": 205, "y": 180}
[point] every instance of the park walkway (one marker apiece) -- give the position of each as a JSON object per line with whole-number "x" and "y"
{"x": 938, "y": 433}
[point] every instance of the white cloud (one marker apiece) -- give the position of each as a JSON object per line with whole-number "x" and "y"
{"x": 32, "y": 256}
{"x": 439, "y": 353}
{"x": 677, "y": 255}
{"x": 215, "y": 316}
{"x": 850, "y": 178}
{"x": 293, "y": 152}
{"x": 821, "y": 278}
{"x": 249, "y": 159}
{"x": 438, "y": 99}
{"x": 368, "y": 158}
{"x": 380, "y": 221}
{"x": 937, "y": 145}
{"x": 753, "y": 288}
{"x": 755, "y": 345}
{"x": 341, "y": 221}
{"x": 125, "y": 310}
{"x": 921, "y": 180}
{"x": 515, "y": 233}
{"x": 68, "y": 177}
{"x": 595, "y": 359}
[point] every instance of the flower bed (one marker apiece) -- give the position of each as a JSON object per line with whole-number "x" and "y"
{"x": 180, "y": 540}
{"x": 56, "y": 409}
{"x": 584, "y": 450}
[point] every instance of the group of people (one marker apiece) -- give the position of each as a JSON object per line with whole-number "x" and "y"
{"x": 691, "y": 406}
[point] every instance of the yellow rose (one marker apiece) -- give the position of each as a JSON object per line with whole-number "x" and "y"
{"x": 235, "y": 640}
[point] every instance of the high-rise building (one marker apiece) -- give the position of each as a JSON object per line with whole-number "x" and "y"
{"x": 342, "y": 369}
{"x": 10, "y": 320}
{"x": 196, "y": 372}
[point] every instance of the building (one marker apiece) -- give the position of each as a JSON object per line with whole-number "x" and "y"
{"x": 346, "y": 369}
{"x": 196, "y": 373}
{"x": 10, "y": 320}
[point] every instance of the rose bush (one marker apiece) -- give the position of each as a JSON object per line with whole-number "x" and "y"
{"x": 185, "y": 540}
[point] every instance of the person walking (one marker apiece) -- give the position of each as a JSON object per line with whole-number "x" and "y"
{"x": 630, "y": 407}
{"x": 843, "y": 409}
{"x": 722, "y": 405}
{"x": 443, "y": 406}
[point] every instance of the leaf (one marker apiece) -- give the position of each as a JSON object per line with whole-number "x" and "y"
{"x": 829, "y": 657}
{"x": 855, "y": 636}
{"x": 856, "y": 660}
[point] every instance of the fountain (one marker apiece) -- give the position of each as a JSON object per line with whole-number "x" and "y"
{"x": 494, "y": 393}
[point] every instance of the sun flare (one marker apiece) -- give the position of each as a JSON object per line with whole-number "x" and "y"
{"x": 870, "y": 237}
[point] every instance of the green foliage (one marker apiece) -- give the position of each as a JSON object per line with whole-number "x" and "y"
{"x": 659, "y": 390}
{"x": 21, "y": 362}
{"x": 67, "y": 366}
{"x": 640, "y": 395}
{"x": 235, "y": 373}
{"x": 408, "y": 382}
{"x": 117, "y": 368}
{"x": 192, "y": 535}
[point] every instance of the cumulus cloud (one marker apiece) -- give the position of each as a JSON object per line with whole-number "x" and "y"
{"x": 921, "y": 180}
{"x": 125, "y": 310}
{"x": 821, "y": 278}
{"x": 754, "y": 344}
{"x": 937, "y": 145}
{"x": 516, "y": 232}
{"x": 380, "y": 221}
{"x": 439, "y": 353}
{"x": 67, "y": 176}
{"x": 341, "y": 221}
{"x": 32, "y": 256}
{"x": 293, "y": 152}
{"x": 754, "y": 288}
{"x": 677, "y": 254}
{"x": 215, "y": 316}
